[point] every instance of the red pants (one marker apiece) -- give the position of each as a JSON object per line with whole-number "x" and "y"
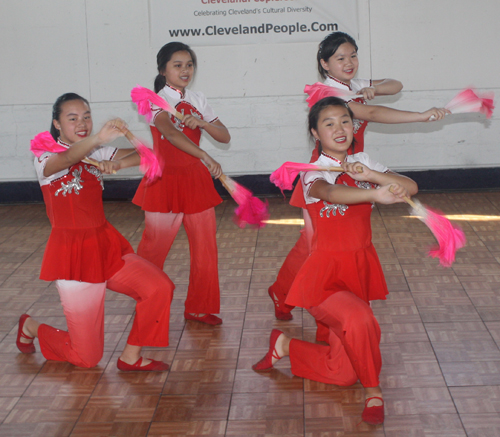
{"x": 83, "y": 304}
{"x": 353, "y": 352}
{"x": 161, "y": 228}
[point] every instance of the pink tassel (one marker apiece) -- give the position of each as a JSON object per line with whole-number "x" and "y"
{"x": 251, "y": 211}
{"x": 43, "y": 142}
{"x": 450, "y": 238}
{"x": 149, "y": 165}
{"x": 469, "y": 101}
{"x": 285, "y": 175}
{"x": 143, "y": 97}
{"x": 319, "y": 91}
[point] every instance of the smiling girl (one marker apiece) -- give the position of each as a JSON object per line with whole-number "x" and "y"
{"x": 343, "y": 272}
{"x": 185, "y": 193}
{"x": 337, "y": 63}
{"x": 85, "y": 254}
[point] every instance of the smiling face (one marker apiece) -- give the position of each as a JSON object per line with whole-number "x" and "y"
{"x": 75, "y": 121}
{"x": 335, "y": 131}
{"x": 179, "y": 70}
{"x": 343, "y": 64}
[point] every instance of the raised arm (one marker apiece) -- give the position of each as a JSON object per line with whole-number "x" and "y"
{"x": 393, "y": 187}
{"x": 182, "y": 142}
{"x": 78, "y": 151}
{"x": 381, "y": 87}
{"x": 383, "y": 114}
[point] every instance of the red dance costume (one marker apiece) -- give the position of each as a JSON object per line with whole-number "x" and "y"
{"x": 85, "y": 255}
{"x": 299, "y": 253}
{"x": 336, "y": 283}
{"x": 185, "y": 194}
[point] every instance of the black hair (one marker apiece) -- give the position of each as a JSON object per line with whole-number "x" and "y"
{"x": 316, "y": 110}
{"x": 164, "y": 55}
{"x": 57, "y": 108}
{"x": 329, "y": 46}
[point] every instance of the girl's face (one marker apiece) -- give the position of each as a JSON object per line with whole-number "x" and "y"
{"x": 75, "y": 121}
{"x": 335, "y": 131}
{"x": 343, "y": 64}
{"x": 179, "y": 70}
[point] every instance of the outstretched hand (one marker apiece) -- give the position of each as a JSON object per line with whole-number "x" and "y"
{"x": 435, "y": 114}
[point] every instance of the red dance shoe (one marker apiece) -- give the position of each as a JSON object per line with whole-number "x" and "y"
{"x": 373, "y": 415}
{"x": 25, "y": 348}
{"x": 153, "y": 366}
{"x": 278, "y": 312}
{"x": 209, "y": 319}
{"x": 267, "y": 362}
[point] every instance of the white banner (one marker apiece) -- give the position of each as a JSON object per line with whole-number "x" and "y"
{"x": 224, "y": 22}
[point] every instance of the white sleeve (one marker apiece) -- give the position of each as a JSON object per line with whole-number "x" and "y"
{"x": 40, "y": 164}
{"x": 309, "y": 178}
{"x": 204, "y": 107}
{"x": 358, "y": 84}
{"x": 371, "y": 163}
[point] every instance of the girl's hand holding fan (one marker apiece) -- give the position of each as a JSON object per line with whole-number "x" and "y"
{"x": 285, "y": 175}
{"x": 43, "y": 142}
{"x": 469, "y": 100}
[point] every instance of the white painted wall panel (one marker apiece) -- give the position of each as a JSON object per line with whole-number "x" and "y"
{"x": 101, "y": 49}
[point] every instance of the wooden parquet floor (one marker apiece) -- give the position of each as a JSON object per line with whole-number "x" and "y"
{"x": 440, "y": 338}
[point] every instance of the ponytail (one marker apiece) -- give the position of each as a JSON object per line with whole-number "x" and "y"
{"x": 160, "y": 82}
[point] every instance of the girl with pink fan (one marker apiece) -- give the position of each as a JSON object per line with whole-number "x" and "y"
{"x": 338, "y": 63}
{"x": 343, "y": 273}
{"x": 185, "y": 193}
{"x": 85, "y": 254}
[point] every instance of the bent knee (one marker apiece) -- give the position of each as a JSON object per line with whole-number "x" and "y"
{"x": 87, "y": 361}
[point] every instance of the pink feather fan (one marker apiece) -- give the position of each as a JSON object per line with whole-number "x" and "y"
{"x": 450, "y": 238}
{"x": 143, "y": 97}
{"x": 150, "y": 164}
{"x": 43, "y": 142}
{"x": 319, "y": 91}
{"x": 285, "y": 175}
{"x": 470, "y": 101}
{"x": 250, "y": 210}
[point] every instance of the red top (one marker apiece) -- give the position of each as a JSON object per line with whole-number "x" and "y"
{"x": 186, "y": 184}
{"x": 343, "y": 257}
{"x": 83, "y": 245}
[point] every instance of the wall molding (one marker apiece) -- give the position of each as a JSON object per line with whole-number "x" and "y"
{"x": 470, "y": 179}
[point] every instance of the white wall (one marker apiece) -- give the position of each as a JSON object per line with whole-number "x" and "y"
{"x": 101, "y": 49}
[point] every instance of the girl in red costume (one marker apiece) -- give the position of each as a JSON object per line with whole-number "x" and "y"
{"x": 343, "y": 272}
{"x": 338, "y": 64}
{"x": 85, "y": 254}
{"x": 185, "y": 193}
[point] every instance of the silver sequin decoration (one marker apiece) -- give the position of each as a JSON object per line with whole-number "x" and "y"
{"x": 96, "y": 172}
{"x": 75, "y": 184}
{"x": 332, "y": 208}
{"x": 364, "y": 185}
{"x": 357, "y": 124}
